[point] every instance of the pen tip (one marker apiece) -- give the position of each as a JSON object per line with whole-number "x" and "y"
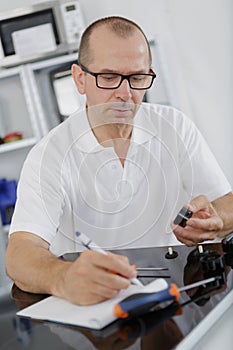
{"x": 136, "y": 282}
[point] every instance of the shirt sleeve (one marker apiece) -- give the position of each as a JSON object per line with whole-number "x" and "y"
{"x": 38, "y": 190}
{"x": 201, "y": 173}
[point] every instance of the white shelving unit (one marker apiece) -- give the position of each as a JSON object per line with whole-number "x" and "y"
{"x": 39, "y": 78}
{"x": 17, "y": 113}
{"x": 16, "y": 105}
{"x": 27, "y": 105}
{"x": 18, "y": 144}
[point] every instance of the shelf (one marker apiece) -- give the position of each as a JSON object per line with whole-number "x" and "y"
{"x": 11, "y": 146}
{"x": 6, "y": 228}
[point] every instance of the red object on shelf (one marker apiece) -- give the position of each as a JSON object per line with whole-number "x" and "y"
{"x": 14, "y": 136}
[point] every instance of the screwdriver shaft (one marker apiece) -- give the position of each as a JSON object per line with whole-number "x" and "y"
{"x": 198, "y": 284}
{"x": 151, "y": 268}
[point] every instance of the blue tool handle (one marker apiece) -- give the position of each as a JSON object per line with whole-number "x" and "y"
{"x": 142, "y": 302}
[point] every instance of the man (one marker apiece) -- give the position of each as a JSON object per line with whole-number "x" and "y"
{"x": 117, "y": 172}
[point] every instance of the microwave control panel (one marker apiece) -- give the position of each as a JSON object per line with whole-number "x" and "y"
{"x": 73, "y": 21}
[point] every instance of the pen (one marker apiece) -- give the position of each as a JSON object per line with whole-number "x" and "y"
{"x": 89, "y": 244}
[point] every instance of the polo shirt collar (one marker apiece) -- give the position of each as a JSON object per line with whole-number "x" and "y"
{"x": 85, "y": 140}
{"x": 82, "y": 134}
{"x": 144, "y": 129}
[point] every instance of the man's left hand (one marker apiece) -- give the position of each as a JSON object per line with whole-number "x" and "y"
{"x": 205, "y": 223}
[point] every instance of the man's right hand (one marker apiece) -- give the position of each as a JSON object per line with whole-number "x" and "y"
{"x": 90, "y": 279}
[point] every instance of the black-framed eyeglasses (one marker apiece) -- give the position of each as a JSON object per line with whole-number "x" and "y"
{"x": 137, "y": 81}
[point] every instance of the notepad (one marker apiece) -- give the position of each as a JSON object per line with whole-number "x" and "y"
{"x": 96, "y": 316}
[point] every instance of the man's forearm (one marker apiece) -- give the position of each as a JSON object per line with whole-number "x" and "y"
{"x": 32, "y": 266}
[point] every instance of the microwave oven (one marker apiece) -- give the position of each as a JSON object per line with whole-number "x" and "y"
{"x": 41, "y": 30}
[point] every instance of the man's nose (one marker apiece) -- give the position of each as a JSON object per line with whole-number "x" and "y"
{"x": 124, "y": 90}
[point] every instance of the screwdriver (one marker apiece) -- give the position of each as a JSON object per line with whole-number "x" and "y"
{"x": 140, "y": 303}
{"x": 143, "y": 324}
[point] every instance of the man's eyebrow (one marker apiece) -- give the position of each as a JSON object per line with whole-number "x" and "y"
{"x": 107, "y": 70}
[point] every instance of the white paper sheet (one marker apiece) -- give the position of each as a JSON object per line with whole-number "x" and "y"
{"x": 93, "y": 316}
{"x": 34, "y": 40}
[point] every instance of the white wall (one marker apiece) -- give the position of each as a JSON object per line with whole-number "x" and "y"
{"x": 9, "y": 5}
{"x": 203, "y": 33}
{"x": 199, "y": 36}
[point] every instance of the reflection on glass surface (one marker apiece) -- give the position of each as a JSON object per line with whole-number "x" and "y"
{"x": 164, "y": 327}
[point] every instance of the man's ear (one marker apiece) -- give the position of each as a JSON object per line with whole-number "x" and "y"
{"x": 78, "y": 76}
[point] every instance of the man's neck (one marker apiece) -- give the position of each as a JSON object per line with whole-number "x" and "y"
{"x": 109, "y": 133}
{"x": 114, "y": 135}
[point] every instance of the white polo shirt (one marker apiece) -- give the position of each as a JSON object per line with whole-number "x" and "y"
{"x": 71, "y": 183}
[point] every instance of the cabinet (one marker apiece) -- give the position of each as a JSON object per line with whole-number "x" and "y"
{"x": 16, "y": 108}
{"x": 16, "y": 114}
{"x": 28, "y": 104}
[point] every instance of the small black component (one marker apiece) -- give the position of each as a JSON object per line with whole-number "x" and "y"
{"x": 227, "y": 243}
{"x": 183, "y": 216}
{"x": 171, "y": 254}
{"x": 213, "y": 266}
{"x": 229, "y": 259}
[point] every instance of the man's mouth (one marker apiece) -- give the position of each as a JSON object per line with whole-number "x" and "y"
{"x": 121, "y": 109}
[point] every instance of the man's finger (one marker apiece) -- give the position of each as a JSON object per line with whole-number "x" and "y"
{"x": 214, "y": 223}
{"x": 199, "y": 203}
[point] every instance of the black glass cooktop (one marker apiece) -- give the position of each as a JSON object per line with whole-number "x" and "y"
{"x": 162, "y": 326}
